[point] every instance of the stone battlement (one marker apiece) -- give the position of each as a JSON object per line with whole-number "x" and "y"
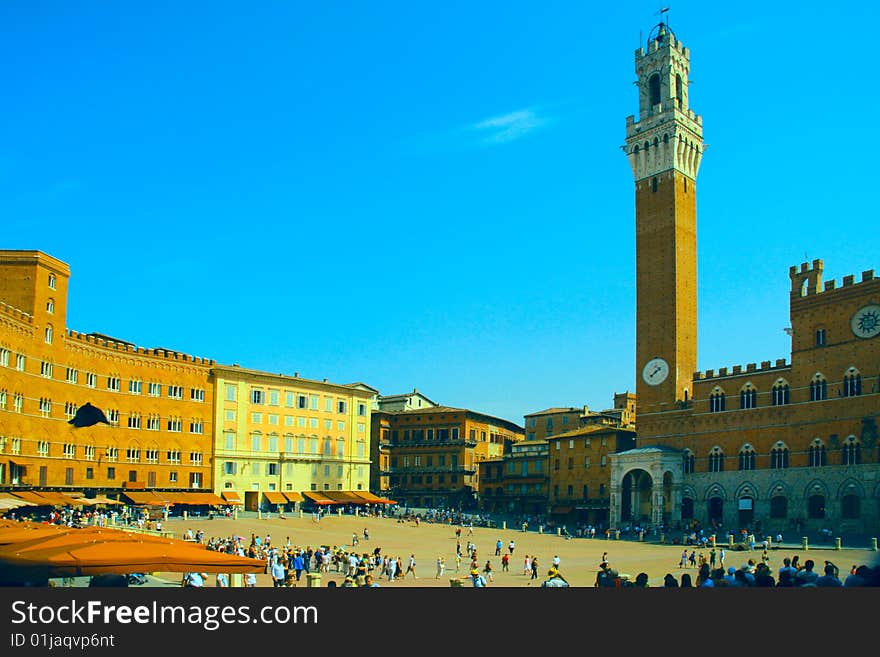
{"x": 738, "y": 370}
{"x": 16, "y": 313}
{"x": 806, "y": 280}
{"x": 133, "y": 349}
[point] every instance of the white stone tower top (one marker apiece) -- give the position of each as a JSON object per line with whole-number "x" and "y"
{"x": 667, "y": 134}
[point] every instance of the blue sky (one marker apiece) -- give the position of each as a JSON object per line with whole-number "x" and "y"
{"x": 420, "y": 195}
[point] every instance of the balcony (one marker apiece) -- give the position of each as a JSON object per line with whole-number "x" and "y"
{"x": 460, "y": 442}
{"x": 420, "y": 469}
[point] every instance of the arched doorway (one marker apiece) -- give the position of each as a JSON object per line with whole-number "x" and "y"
{"x": 715, "y": 510}
{"x": 745, "y": 511}
{"x": 779, "y": 507}
{"x": 635, "y": 497}
{"x": 816, "y": 507}
{"x": 849, "y": 507}
{"x": 687, "y": 508}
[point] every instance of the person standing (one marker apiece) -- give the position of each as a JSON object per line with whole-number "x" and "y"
{"x": 487, "y": 571}
{"x": 527, "y": 566}
{"x": 298, "y": 565}
{"x": 511, "y": 546}
{"x": 534, "y": 567}
{"x": 277, "y": 573}
{"x": 498, "y": 546}
{"x": 505, "y": 563}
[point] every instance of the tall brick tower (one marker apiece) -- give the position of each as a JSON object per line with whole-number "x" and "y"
{"x": 664, "y": 146}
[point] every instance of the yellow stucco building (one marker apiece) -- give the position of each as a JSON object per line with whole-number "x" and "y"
{"x": 279, "y": 436}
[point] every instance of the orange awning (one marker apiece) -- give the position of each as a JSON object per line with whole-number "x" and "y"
{"x": 148, "y": 498}
{"x": 318, "y": 498}
{"x": 274, "y": 497}
{"x": 293, "y": 496}
{"x": 231, "y": 497}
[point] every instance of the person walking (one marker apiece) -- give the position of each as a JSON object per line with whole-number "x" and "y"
{"x": 505, "y": 563}
{"x": 527, "y": 566}
{"x": 411, "y": 567}
{"x": 534, "y": 567}
{"x": 487, "y": 571}
{"x": 498, "y": 546}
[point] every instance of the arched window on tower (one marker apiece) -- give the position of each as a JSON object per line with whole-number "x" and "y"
{"x": 818, "y": 456}
{"x": 654, "y": 90}
{"x": 818, "y": 388}
{"x": 679, "y": 91}
{"x": 779, "y": 456}
{"x": 747, "y": 458}
{"x": 851, "y": 452}
{"x": 716, "y": 460}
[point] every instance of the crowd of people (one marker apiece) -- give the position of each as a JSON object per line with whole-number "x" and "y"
{"x": 792, "y": 573}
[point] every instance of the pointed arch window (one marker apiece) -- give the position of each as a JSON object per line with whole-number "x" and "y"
{"x": 818, "y": 388}
{"x": 817, "y": 454}
{"x": 779, "y": 457}
{"x": 852, "y": 383}
{"x": 717, "y": 401}
{"x": 747, "y": 458}
{"x": 716, "y": 460}
{"x": 748, "y": 397}
{"x": 688, "y": 462}
{"x": 851, "y": 452}
{"x": 781, "y": 393}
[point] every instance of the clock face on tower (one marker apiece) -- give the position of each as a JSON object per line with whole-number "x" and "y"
{"x": 655, "y": 371}
{"x": 866, "y": 322}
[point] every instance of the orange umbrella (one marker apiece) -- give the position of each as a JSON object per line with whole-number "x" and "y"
{"x": 94, "y": 550}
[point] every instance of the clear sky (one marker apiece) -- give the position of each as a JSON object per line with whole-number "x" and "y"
{"x": 426, "y": 195}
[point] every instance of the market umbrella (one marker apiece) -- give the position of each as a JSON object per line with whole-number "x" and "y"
{"x": 95, "y": 551}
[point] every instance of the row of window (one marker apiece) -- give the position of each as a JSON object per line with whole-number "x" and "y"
{"x": 403, "y": 480}
{"x": 548, "y": 422}
{"x": 603, "y": 461}
{"x": 113, "y": 382}
{"x": 152, "y": 422}
{"x": 195, "y": 478}
{"x": 273, "y": 419}
{"x": 585, "y": 493}
{"x": 426, "y": 460}
{"x": 231, "y": 468}
{"x": 91, "y": 453}
{"x": 780, "y": 394}
{"x": 271, "y": 443}
{"x": 850, "y": 454}
{"x": 294, "y": 400}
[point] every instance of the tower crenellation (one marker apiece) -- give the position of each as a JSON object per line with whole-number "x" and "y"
{"x": 806, "y": 280}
